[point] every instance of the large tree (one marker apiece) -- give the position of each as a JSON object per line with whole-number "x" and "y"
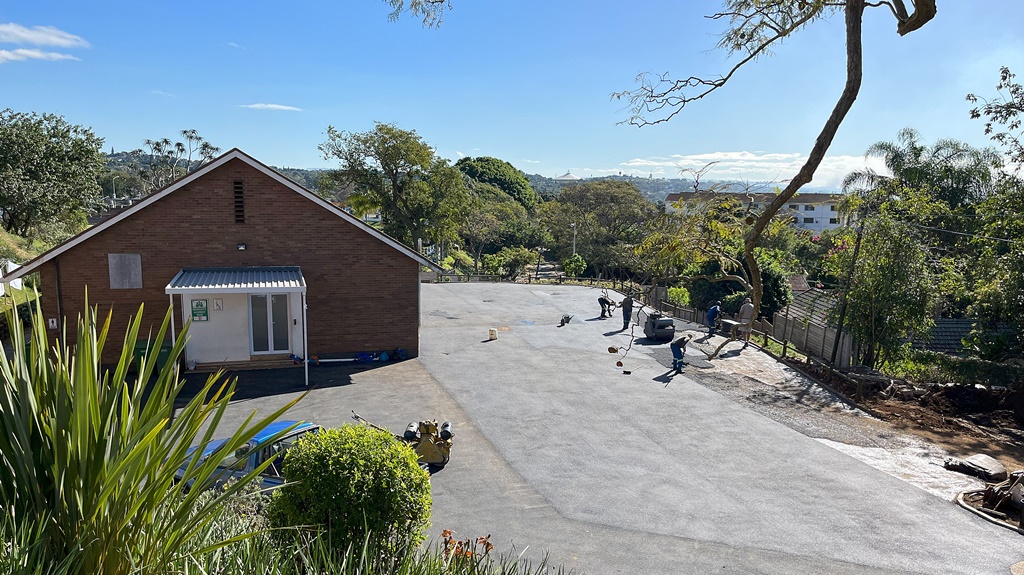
{"x": 601, "y": 216}
{"x": 955, "y": 178}
{"x": 755, "y": 26}
{"x": 48, "y": 171}
{"x": 951, "y": 171}
{"x": 892, "y": 287}
{"x": 419, "y": 195}
{"x": 501, "y": 175}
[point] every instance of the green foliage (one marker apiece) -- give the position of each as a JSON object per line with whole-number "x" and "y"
{"x": 892, "y": 289}
{"x": 96, "y": 488}
{"x": 18, "y": 249}
{"x": 998, "y": 271}
{"x": 574, "y": 265}
{"x": 776, "y": 293}
{"x": 354, "y": 481}
{"x": 501, "y": 175}
{"x": 679, "y": 296}
{"x": 458, "y": 260}
{"x": 420, "y": 196}
{"x": 508, "y": 263}
{"x": 607, "y": 215}
{"x": 950, "y": 171}
{"x": 732, "y": 302}
{"x": 1002, "y": 114}
{"x": 932, "y": 367}
{"x": 48, "y": 170}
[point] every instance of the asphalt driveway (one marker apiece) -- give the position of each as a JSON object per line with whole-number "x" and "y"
{"x": 651, "y": 473}
{"x": 561, "y": 453}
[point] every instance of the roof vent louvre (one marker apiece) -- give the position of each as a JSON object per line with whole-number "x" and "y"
{"x": 239, "y": 202}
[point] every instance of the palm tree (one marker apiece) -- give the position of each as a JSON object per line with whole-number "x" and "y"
{"x": 954, "y": 172}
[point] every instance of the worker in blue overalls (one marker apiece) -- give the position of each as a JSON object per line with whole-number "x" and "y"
{"x": 712, "y": 317}
{"x": 678, "y": 348}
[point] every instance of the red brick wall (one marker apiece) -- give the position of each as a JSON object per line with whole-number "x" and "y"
{"x": 362, "y": 294}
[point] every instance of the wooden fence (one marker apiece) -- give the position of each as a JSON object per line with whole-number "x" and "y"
{"x": 808, "y": 337}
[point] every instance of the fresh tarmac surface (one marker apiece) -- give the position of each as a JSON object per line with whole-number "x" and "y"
{"x": 558, "y": 452}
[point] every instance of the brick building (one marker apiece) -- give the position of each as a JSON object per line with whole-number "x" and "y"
{"x": 261, "y": 266}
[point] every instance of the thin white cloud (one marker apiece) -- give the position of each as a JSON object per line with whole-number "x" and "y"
{"x": 279, "y": 107}
{"x": 11, "y": 33}
{"x": 757, "y": 166}
{"x": 21, "y": 54}
{"x": 460, "y": 154}
{"x": 233, "y": 45}
{"x": 162, "y": 93}
{"x": 531, "y": 161}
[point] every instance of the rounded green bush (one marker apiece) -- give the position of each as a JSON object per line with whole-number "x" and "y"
{"x": 354, "y": 481}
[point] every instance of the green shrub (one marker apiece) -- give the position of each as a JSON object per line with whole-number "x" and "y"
{"x": 679, "y": 296}
{"x": 932, "y": 367}
{"x": 574, "y": 265}
{"x": 509, "y": 262}
{"x": 354, "y": 480}
{"x": 732, "y": 302}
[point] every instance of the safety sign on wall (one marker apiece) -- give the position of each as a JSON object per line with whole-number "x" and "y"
{"x": 200, "y": 311}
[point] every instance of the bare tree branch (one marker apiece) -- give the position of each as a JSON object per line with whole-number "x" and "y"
{"x": 747, "y": 34}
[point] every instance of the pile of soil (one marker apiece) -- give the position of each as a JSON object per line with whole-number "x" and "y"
{"x": 964, "y": 419}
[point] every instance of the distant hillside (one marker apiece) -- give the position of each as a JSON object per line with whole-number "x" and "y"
{"x": 656, "y": 189}
{"x": 309, "y": 179}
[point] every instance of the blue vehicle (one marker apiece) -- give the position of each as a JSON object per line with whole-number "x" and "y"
{"x": 253, "y": 454}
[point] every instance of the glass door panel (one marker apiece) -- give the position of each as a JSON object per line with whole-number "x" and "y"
{"x": 279, "y": 322}
{"x": 260, "y": 321}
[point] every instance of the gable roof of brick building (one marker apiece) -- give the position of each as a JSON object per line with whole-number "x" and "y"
{"x": 233, "y": 154}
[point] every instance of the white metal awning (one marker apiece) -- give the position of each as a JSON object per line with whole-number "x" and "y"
{"x": 272, "y": 279}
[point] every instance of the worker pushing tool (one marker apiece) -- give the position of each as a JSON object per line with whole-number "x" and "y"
{"x": 678, "y": 348}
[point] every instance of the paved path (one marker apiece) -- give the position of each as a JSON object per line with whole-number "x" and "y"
{"x": 560, "y": 450}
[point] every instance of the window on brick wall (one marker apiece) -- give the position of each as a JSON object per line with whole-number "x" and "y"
{"x": 833, "y": 220}
{"x": 125, "y": 271}
{"x": 808, "y": 220}
{"x": 808, "y": 208}
{"x": 239, "y": 202}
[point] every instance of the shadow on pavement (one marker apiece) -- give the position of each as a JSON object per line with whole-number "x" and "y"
{"x": 255, "y": 383}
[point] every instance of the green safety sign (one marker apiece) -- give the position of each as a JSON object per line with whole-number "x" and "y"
{"x": 200, "y": 311}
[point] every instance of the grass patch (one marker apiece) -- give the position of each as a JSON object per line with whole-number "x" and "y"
{"x": 15, "y": 297}
{"x": 19, "y": 249}
{"x": 776, "y": 348}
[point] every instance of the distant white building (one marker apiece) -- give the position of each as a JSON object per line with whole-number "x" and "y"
{"x": 812, "y": 211}
{"x": 567, "y": 177}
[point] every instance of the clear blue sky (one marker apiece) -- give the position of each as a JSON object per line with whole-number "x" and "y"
{"x": 528, "y": 81}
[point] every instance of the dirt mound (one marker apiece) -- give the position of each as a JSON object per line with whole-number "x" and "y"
{"x": 965, "y": 419}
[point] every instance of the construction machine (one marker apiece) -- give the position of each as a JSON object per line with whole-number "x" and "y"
{"x": 431, "y": 442}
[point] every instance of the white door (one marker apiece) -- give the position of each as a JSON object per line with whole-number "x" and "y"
{"x": 268, "y": 321}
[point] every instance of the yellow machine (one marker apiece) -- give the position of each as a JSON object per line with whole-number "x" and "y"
{"x": 431, "y": 442}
